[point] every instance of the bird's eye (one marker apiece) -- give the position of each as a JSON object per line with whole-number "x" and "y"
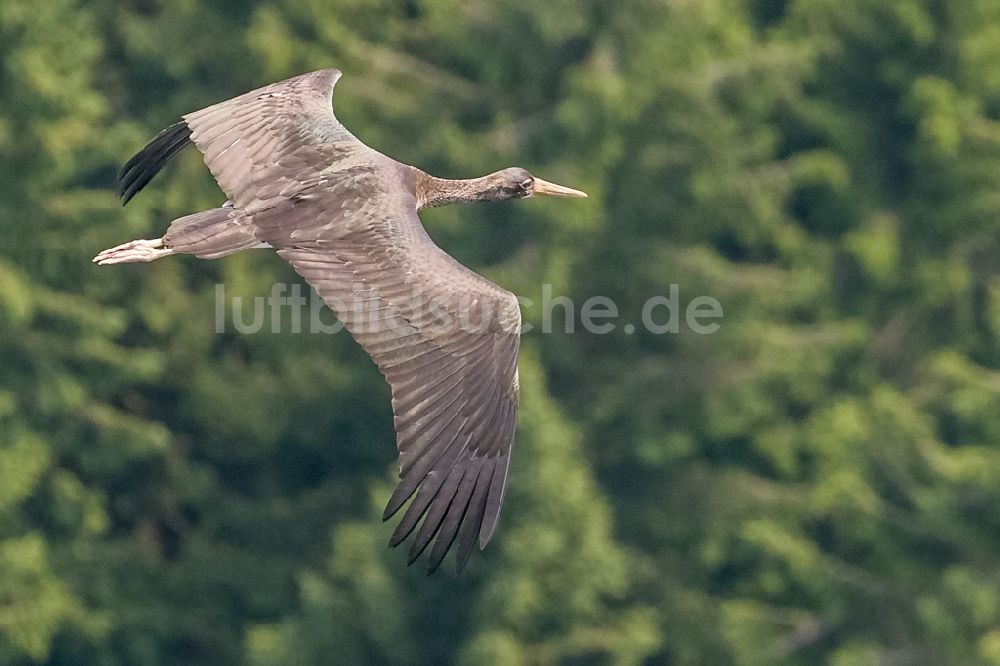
{"x": 526, "y": 184}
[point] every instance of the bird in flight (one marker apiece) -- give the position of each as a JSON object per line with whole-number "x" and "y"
{"x": 345, "y": 217}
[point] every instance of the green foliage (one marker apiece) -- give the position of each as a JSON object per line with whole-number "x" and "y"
{"x": 816, "y": 482}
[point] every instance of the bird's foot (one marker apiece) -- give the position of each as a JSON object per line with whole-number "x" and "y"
{"x": 133, "y": 252}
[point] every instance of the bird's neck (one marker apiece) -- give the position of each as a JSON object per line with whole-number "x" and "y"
{"x": 433, "y": 191}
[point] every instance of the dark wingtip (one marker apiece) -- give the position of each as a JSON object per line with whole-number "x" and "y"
{"x": 435, "y": 560}
{"x": 397, "y": 538}
{"x": 414, "y": 553}
{"x": 402, "y": 493}
{"x": 144, "y": 165}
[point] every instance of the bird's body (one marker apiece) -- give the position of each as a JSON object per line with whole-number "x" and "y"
{"x": 345, "y": 217}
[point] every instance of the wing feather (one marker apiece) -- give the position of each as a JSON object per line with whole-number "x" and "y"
{"x": 454, "y": 387}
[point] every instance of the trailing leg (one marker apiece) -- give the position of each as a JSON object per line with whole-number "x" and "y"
{"x": 134, "y": 252}
{"x": 208, "y": 235}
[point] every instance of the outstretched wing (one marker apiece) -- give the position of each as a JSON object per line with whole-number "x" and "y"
{"x": 446, "y": 340}
{"x": 259, "y": 145}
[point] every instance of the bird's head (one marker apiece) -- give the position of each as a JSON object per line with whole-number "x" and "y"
{"x": 517, "y": 183}
{"x": 512, "y": 183}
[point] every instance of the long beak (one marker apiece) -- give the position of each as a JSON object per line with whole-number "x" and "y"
{"x": 545, "y": 187}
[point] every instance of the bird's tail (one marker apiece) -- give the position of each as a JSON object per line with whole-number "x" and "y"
{"x": 209, "y": 234}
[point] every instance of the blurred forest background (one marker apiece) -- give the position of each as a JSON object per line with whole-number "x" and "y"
{"x": 818, "y": 482}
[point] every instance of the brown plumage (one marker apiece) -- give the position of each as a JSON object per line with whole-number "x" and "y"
{"x": 345, "y": 217}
